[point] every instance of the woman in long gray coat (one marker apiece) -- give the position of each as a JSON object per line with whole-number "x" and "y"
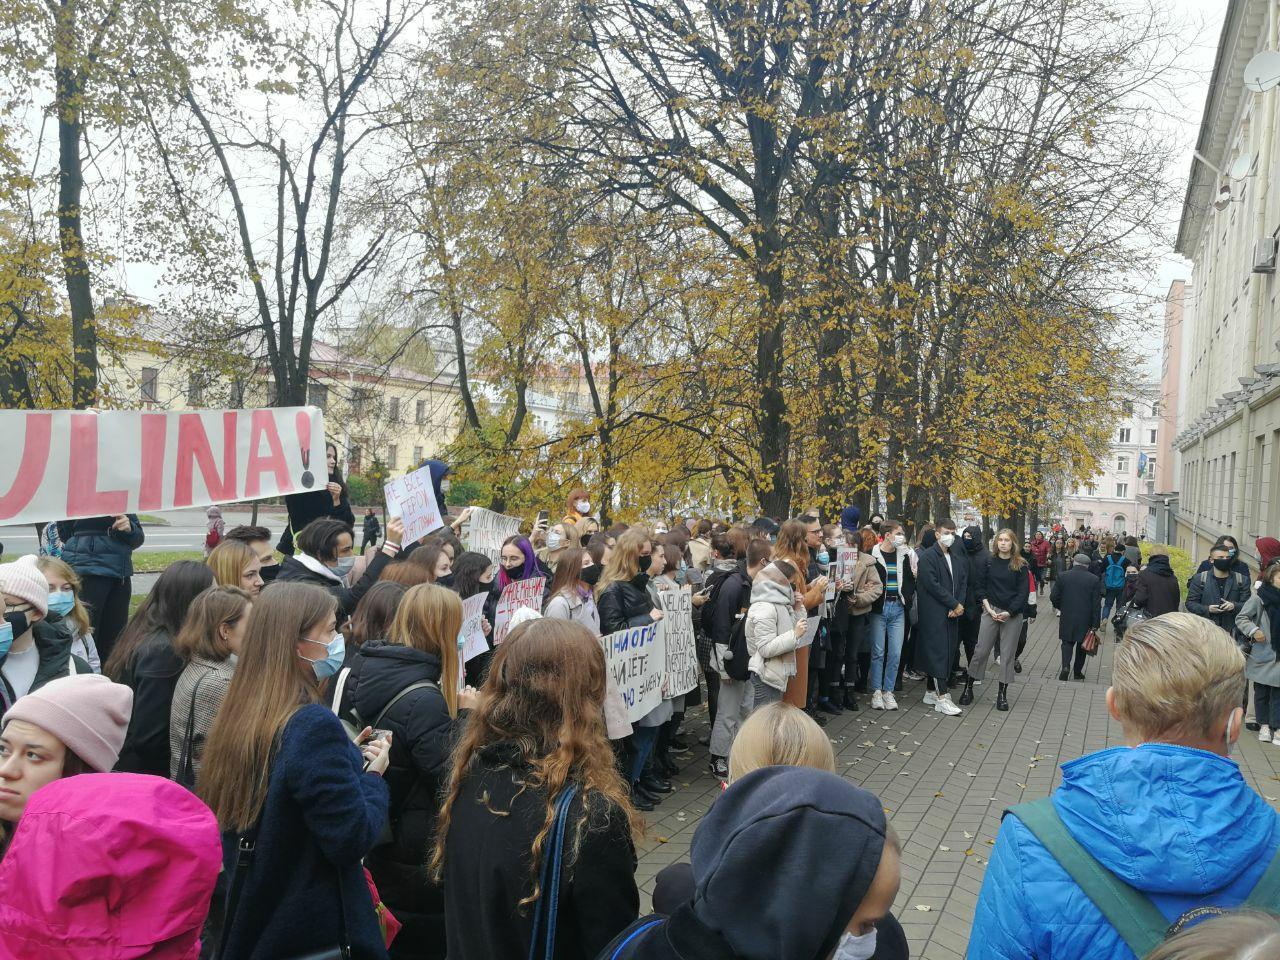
{"x": 1259, "y": 620}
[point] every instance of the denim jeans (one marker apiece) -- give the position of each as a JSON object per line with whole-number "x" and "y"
{"x": 642, "y": 741}
{"x": 1112, "y": 599}
{"x": 886, "y": 645}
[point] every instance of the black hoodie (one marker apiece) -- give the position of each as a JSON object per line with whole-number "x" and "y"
{"x": 977, "y": 555}
{"x": 1157, "y": 590}
{"x": 778, "y": 823}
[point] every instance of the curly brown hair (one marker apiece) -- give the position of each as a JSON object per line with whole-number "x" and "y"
{"x": 545, "y": 694}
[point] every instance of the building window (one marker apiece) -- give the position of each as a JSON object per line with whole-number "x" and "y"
{"x": 1151, "y": 487}
{"x": 360, "y": 402}
{"x": 195, "y": 389}
{"x": 1122, "y": 491}
{"x": 1093, "y": 491}
{"x": 417, "y": 456}
{"x": 1155, "y": 407}
{"x": 1151, "y": 436}
{"x": 393, "y": 409}
{"x": 150, "y": 384}
{"x": 1122, "y": 464}
{"x": 1126, "y": 435}
{"x": 319, "y": 395}
{"x": 420, "y": 412}
{"x": 392, "y": 457}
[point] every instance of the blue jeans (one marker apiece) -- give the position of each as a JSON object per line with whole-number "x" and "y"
{"x": 886, "y": 645}
{"x": 1111, "y": 599}
{"x": 642, "y": 741}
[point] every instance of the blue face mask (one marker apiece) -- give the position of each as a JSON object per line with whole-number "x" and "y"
{"x": 823, "y": 557}
{"x": 856, "y": 948}
{"x": 6, "y": 637}
{"x": 62, "y": 602}
{"x": 344, "y": 565}
{"x": 336, "y": 651}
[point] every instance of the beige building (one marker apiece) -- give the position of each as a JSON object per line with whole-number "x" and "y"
{"x": 1229, "y": 402}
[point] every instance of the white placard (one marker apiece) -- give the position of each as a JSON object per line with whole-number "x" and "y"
{"x": 412, "y": 498}
{"x": 515, "y": 595}
{"x": 681, "y": 674}
{"x": 487, "y": 531}
{"x": 471, "y": 639}
{"x": 637, "y": 660}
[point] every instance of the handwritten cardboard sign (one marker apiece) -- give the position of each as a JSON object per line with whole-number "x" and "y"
{"x": 637, "y": 659}
{"x": 471, "y": 639}
{"x": 681, "y": 674}
{"x": 516, "y": 595}
{"x": 488, "y": 530}
{"x": 412, "y": 498}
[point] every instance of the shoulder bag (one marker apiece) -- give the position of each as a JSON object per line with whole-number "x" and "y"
{"x": 186, "y": 765}
{"x": 543, "y": 944}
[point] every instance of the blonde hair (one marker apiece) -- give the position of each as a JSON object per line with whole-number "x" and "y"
{"x": 228, "y": 561}
{"x": 429, "y": 619}
{"x": 1242, "y": 935}
{"x": 79, "y": 615}
{"x": 1015, "y": 557}
{"x": 1176, "y": 676}
{"x": 780, "y": 735}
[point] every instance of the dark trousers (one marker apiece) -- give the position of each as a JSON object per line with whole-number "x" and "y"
{"x": 908, "y": 649}
{"x": 713, "y": 693}
{"x": 1040, "y": 572}
{"x": 1266, "y": 705}
{"x": 108, "y": 601}
{"x": 968, "y": 639}
{"x": 1080, "y": 655}
{"x": 1022, "y": 638}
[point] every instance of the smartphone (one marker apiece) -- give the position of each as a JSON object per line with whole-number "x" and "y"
{"x": 543, "y": 517}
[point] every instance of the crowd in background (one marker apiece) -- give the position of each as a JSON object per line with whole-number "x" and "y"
{"x": 304, "y": 762}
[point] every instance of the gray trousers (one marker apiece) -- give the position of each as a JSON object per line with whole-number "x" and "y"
{"x": 989, "y": 634}
{"x": 764, "y": 694}
{"x": 737, "y": 700}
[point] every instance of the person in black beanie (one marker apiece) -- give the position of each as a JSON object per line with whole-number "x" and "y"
{"x": 766, "y": 886}
{"x": 976, "y": 554}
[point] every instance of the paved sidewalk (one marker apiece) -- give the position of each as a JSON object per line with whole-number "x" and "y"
{"x": 945, "y": 781}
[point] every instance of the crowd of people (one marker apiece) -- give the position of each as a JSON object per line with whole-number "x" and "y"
{"x": 283, "y": 753}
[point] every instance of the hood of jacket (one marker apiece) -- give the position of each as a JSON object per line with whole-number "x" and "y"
{"x": 307, "y": 569}
{"x": 849, "y": 518}
{"x": 971, "y": 539}
{"x": 388, "y": 668}
{"x": 439, "y": 470}
{"x": 1164, "y": 818}
{"x": 1159, "y": 565}
{"x": 764, "y": 590}
{"x": 792, "y": 818}
{"x": 126, "y": 864}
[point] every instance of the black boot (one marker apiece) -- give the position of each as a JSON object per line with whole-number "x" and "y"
{"x": 850, "y": 699}
{"x": 966, "y": 698}
{"x": 1002, "y": 697}
{"x": 1062, "y": 674}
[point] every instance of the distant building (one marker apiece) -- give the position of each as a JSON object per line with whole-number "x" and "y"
{"x": 1162, "y": 504}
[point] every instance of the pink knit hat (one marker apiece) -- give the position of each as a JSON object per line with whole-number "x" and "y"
{"x": 87, "y": 712}
{"x": 23, "y": 579}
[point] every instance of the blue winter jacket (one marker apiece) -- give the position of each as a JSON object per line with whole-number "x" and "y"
{"x": 92, "y": 548}
{"x": 1179, "y": 824}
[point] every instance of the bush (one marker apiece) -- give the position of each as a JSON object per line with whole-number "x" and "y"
{"x": 1181, "y": 562}
{"x": 363, "y": 492}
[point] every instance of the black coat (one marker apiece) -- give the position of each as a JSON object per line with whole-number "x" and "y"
{"x": 625, "y": 604}
{"x": 293, "y": 570}
{"x": 487, "y": 867}
{"x": 152, "y": 674}
{"x": 313, "y": 505}
{"x": 422, "y": 739}
{"x": 939, "y": 590}
{"x": 1078, "y": 594}
{"x": 1204, "y": 590}
{"x": 1157, "y": 590}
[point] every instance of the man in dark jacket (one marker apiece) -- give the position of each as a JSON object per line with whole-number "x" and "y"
{"x": 1217, "y": 593}
{"x": 742, "y": 900}
{"x": 372, "y": 530}
{"x": 975, "y": 555}
{"x": 100, "y": 550}
{"x": 1156, "y": 590}
{"x": 1077, "y": 596}
{"x": 942, "y": 583}
{"x": 326, "y": 558}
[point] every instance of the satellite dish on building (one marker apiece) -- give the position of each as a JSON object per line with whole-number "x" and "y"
{"x": 1240, "y": 169}
{"x": 1263, "y": 72}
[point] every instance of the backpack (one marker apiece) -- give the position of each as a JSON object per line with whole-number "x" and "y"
{"x": 1240, "y": 582}
{"x": 1130, "y": 911}
{"x": 212, "y": 539}
{"x": 706, "y": 612}
{"x": 1114, "y": 578}
{"x": 738, "y": 667}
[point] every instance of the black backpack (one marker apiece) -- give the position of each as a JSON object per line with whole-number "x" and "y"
{"x": 738, "y": 667}
{"x": 706, "y": 612}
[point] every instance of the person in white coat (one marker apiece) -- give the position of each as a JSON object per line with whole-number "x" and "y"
{"x": 775, "y": 630}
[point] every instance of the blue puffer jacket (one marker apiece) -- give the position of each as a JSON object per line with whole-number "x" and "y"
{"x": 1181, "y": 825}
{"x": 92, "y": 548}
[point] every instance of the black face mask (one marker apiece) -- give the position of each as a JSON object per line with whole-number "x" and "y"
{"x": 1221, "y": 563}
{"x": 584, "y": 539}
{"x": 644, "y": 562}
{"x": 973, "y": 546}
{"x": 591, "y": 575}
{"x": 18, "y": 620}
{"x": 446, "y": 581}
{"x": 270, "y": 572}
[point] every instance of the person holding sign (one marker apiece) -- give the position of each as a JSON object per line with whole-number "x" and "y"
{"x": 327, "y": 557}
{"x": 329, "y": 502}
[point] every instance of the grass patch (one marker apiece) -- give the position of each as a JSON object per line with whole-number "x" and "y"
{"x": 135, "y": 602}
{"x": 151, "y": 520}
{"x": 156, "y": 561}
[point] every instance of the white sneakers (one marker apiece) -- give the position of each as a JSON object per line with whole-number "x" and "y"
{"x": 1264, "y": 735}
{"x": 889, "y": 702}
{"x": 945, "y": 706}
{"x": 877, "y": 700}
{"x": 1276, "y": 739}
{"x": 930, "y": 698}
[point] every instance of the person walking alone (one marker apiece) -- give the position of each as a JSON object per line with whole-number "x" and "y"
{"x": 1077, "y": 598}
{"x": 1004, "y": 590}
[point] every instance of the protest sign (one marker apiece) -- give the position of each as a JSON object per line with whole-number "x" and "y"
{"x": 521, "y": 593}
{"x": 846, "y": 560}
{"x": 488, "y": 530}
{"x": 471, "y": 637}
{"x": 412, "y": 498}
{"x": 681, "y": 674}
{"x": 637, "y": 660}
{"x": 68, "y": 464}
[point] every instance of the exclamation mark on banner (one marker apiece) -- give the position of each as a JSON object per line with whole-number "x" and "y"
{"x": 303, "y": 422}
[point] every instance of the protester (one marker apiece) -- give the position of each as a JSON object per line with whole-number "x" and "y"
{"x": 409, "y": 686}
{"x": 326, "y": 557}
{"x": 1040, "y": 549}
{"x": 258, "y": 539}
{"x": 1218, "y": 593}
{"x": 1077, "y": 597}
{"x": 1132, "y": 552}
{"x": 888, "y": 616}
{"x": 700, "y": 545}
{"x": 35, "y": 650}
{"x": 217, "y": 527}
{"x": 65, "y": 603}
{"x": 109, "y": 866}
{"x": 798, "y": 542}
{"x": 534, "y": 783}
{"x": 779, "y": 735}
{"x": 298, "y": 814}
{"x": 1004, "y": 590}
{"x": 1238, "y": 935}
{"x": 435, "y": 557}
{"x": 1268, "y": 551}
{"x": 1156, "y": 589}
{"x": 1232, "y": 547}
{"x": 372, "y": 530}
{"x": 329, "y": 502}
{"x": 209, "y": 644}
{"x": 517, "y": 561}
{"x": 747, "y": 903}
{"x": 974, "y": 555}
{"x": 371, "y": 620}
{"x": 941, "y": 580}
{"x": 578, "y": 506}
{"x": 776, "y": 626}
{"x": 100, "y": 551}
{"x": 1258, "y": 620}
{"x": 69, "y": 726}
{"x": 1195, "y": 834}
{"x": 1111, "y": 568}
{"x": 236, "y": 564}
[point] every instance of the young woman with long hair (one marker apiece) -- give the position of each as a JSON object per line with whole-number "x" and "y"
{"x": 327, "y": 502}
{"x": 475, "y": 573}
{"x": 280, "y": 774}
{"x": 409, "y": 685}
{"x": 536, "y": 732}
{"x": 797, "y": 541}
{"x": 570, "y": 596}
{"x": 236, "y": 564}
{"x": 1004, "y": 591}
{"x": 436, "y": 558}
{"x": 209, "y": 644}
{"x": 371, "y": 621}
{"x": 144, "y": 659}
{"x": 578, "y": 506}
{"x": 65, "y": 602}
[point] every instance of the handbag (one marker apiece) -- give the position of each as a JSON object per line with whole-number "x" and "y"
{"x": 1090, "y": 643}
{"x": 186, "y": 765}
{"x": 547, "y": 907}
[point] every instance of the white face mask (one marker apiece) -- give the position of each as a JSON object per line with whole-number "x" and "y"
{"x": 899, "y": 540}
{"x": 584, "y": 506}
{"x": 856, "y": 948}
{"x": 554, "y": 540}
{"x": 947, "y": 539}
